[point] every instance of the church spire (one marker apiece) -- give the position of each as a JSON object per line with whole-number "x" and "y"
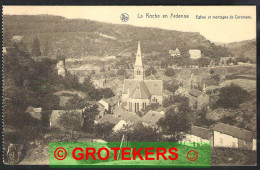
{"x": 139, "y": 70}
{"x": 138, "y": 61}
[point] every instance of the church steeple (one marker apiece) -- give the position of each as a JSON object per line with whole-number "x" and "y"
{"x": 139, "y": 70}
{"x": 138, "y": 61}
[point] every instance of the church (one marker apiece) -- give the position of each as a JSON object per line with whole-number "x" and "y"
{"x": 141, "y": 91}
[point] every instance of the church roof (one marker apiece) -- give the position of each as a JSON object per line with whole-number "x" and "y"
{"x": 138, "y": 61}
{"x": 140, "y": 91}
{"x": 153, "y": 86}
{"x": 150, "y": 77}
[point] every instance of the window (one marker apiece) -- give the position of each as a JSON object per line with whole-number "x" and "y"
{"x": 137, "y": 107}
{"x": 130, "y": 106}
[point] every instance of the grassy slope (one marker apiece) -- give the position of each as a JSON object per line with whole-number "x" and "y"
{"x": 78, "y": 37}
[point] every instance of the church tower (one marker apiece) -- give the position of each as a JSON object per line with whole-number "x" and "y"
{"x": 139, "y": 69}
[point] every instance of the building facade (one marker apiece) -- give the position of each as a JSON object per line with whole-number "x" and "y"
{"x": 195, "y": 54}
{"x": 232, "y": 137}
{"x": 139, "y": 92}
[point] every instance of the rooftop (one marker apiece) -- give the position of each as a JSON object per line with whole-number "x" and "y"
{"x": 234, "y": 131}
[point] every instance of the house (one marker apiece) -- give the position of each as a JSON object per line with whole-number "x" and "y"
{"x": 224, "y": 60}
{"x": 254, "y": 144}
{"x": 121, "y": 125}
{"x": 109, "y": 119}
{"x": 34, "y": 112}
{"x": 195, "y": 53}
{"x": 17, "y": 38}
{"x": 100, "y": 83}
{"x": 233, "y": 137}
{"x": 55, "y": 115}
{"x": 109, "y": 103}
{"x": 175, "y": 53}
{"x": 212, "y": 63}
{"x": 152, "y": 117}
{"x": 105, "y": 104}
{"x": 199, "y": 135}
{"x": 4, "y": 50}
{"x": 197, "y": 98}
{"x": 139, "y": 92}
{"x": 61, "y": 68}
{"x": 118, "y": 123}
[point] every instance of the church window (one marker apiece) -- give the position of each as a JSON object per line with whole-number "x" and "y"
{"x": 130, "y": 106}
{"x": 137, "y": 109}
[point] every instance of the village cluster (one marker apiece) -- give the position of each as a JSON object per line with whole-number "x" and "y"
{"x": 140, "y": 91}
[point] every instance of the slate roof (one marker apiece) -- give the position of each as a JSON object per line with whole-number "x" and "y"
{"x": 129, "y": 117}
{"x": 109, "y": 119}
{"x": 201, "y": 132}
{"x": 234, "y": 131}
{"x": 195, "y": 93}
{"x": 150, "y": 77}
{"x": 152, "y": 117}
{"x": 154, "y": 86}
{"x": 140, "y": 92}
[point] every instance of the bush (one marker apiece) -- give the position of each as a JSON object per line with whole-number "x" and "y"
{"x": 231, "y": 96}
{"x": 121, "y": 72}
{"x": 169, "y": 72}
{"x": 150, "y": 70}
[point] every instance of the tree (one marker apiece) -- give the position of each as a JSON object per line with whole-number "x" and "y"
{"x": 141, "y": 133}
{"x": 70, "y": 120}
{"x": 231, "y": 96}
{"x": 171, "y": 87}
{"x": 174, "y": 124}
{"x": 106, "y": 92}
{"x": 36, "y": 48}
{"x": 169, "y": 72}
{"x": 121, "y": 72}
{"x": 89, "y": 114}
{"x": 228, "y": 120}
{"x": 181, "y": 101}
{"x": 46, "y": 49}
{"x": 203, "y": 62}
{"x": 152, "y": 106}
{"x": 150, "y": 70}
{"x": 202, "y": 121}
{"x": 104, "y": 130}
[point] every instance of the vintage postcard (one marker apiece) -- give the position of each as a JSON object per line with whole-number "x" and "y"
{"x": 133, "y": 76}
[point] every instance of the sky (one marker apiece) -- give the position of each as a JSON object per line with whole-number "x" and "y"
{"x": 215, "y": 30}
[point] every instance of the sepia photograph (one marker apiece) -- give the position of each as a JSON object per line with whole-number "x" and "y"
{"x": 183, "y": 74}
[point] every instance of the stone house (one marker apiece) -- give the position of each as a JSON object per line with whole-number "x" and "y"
{"x": 233, "y": 137}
